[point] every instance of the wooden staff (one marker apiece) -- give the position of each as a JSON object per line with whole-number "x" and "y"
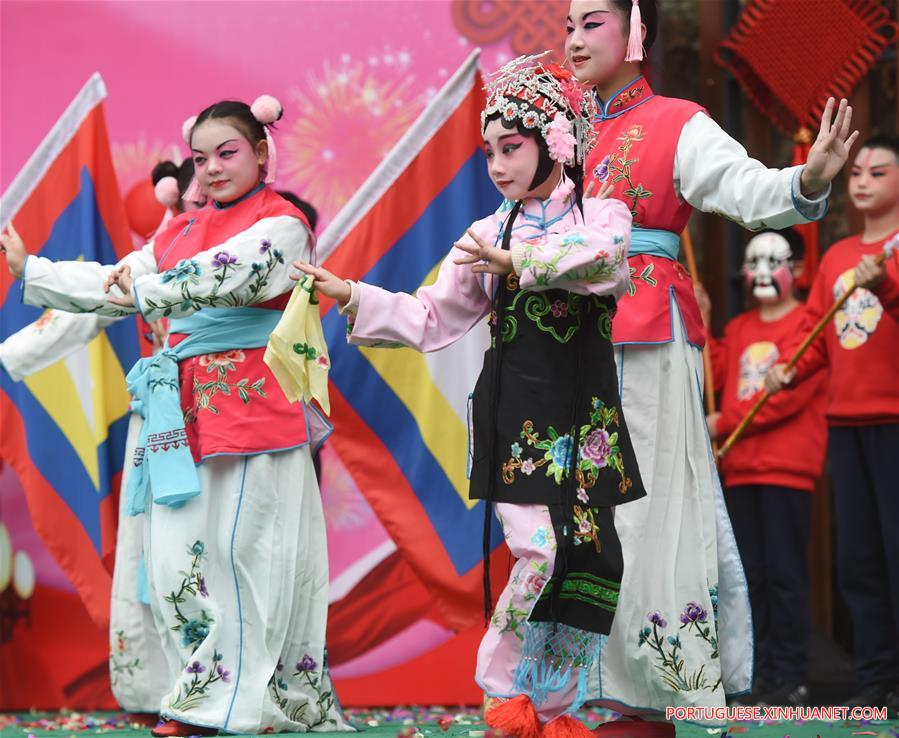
{"x": 708, "y": 378}
{"x": 809, "y": 340}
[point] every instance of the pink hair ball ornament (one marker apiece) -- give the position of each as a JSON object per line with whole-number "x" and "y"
{"x": 166, "y": 190}
{"x": 187, "y": 127}
{"x": 266, "y": 109}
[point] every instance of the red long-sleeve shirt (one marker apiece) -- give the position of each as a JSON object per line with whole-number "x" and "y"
{"x": 785, "y": 443}
{"x": 861, "y": 344}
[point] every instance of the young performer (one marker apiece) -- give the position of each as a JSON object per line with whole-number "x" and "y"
{"x": 859, "y": 350}
{"x": 770, "y": 473}
{"x": 662, "y": 157}
{"x": 547, "y": 268}
{"x": 234, "y": 535}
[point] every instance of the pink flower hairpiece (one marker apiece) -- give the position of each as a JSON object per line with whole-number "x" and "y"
{"x": 559, "y": 139}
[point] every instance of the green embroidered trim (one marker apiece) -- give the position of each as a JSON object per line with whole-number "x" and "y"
{"x": 587, "y": 588}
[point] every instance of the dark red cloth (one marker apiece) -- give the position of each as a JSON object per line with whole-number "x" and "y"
{"x": 861, "y": 344}
{"x": 791, "y": 55}
{"x": 784, "y": 445}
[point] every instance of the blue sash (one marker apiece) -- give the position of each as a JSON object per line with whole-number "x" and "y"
{"x": 654, "y": 242}
{"x": 163, "y": 463}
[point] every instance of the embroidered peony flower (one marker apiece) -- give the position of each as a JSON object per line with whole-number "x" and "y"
{"x": 195, "y": 668}
{"x": 601, "y": 170}
{"x": 194, "y": 632}
{"x": 307, "y": 664}
{"x": 596, "y": 448}
{"x": 264, "y": 245}
{"x": 540, "y": 539}
{"x": 223, "y": 259}
{"x": 186, "y": 270}
{"x": 198, "y": 548}
{"x": 657, "y": 619}
{"x": 635, "y": 133}
{"x": 585, "y": 527}
{"x": 224, "y": 674}
{"x": 693, "y": 613}
{"x": 224, "y": 359}
{"x": 322, "y": 361}
{"x": 559, "y": 309}
{"x": 582, "y": 495}
{"x": 560, "y": 452}
{"x": 559, "y": 140}
{"x": 534, "y": 583}
{"x": 528, "y": 467}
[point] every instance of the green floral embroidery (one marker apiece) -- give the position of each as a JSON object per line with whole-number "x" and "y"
{"x": 670, "y": 660}
{"x": 187, "y": 272}
{"x": 120, "y": 661}
{"x": 221, "y": 363}
{"x": 510, "y": 620}
{"x": 194, "y": 631}
{"x": 597, "y": 450}
{"x": 644, "y": 276}
{"x": 546, "y": 271}
{"x": 621, "y": 166}
{"x": 317, "y": 681}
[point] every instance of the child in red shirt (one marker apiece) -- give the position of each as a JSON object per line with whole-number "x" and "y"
{"x": 769, "y": 474}
{"x": 861, "y": 349}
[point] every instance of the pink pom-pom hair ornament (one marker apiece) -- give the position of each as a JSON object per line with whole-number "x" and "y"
{"x": 187, "y": 127}
{"x": 166, "y": 190}
{"x": 266, "y": 109}
{"x": 635, "y": 37}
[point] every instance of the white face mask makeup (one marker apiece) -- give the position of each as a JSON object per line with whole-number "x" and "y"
{"x": 768, "y": 267}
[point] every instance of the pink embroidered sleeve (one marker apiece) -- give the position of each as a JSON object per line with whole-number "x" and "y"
{"x": 433, "y": 318}
{"x": 588, "y": 258}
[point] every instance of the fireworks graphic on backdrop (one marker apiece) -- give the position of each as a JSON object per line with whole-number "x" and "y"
{"x": 133, "y": 162}
{"x": 346, "y": 119}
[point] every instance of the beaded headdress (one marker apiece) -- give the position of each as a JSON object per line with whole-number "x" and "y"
{"x": 548, "y": 98}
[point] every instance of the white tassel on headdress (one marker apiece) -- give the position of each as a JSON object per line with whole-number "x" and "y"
{"x": 635, "y": 38}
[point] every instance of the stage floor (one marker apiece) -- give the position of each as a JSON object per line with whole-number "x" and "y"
{"x": 419, "y": 722}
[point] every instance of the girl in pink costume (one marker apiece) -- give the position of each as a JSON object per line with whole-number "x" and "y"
{"x": 682, "y": 634}
{"x": 546, "y": 268}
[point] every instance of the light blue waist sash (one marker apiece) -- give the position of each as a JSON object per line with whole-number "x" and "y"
{"x": 654, "y": 242}
{"x": 163, "y": 464}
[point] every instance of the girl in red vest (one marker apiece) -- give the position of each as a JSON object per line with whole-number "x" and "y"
{"x": 682, "y": 633}
{"x": 221, "y": 471}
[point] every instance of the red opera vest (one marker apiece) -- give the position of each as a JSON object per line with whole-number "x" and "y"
{"x": 637, "y": 136}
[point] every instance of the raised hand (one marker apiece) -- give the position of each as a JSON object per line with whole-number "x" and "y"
{"x": 13, "y": 248}
{"x": 486, "y": 259}
{"x": 327, "y": 284}
{"x": 604, "y": 191}
{"x": 869, "y": 272}
{"x": 830, "y": 150}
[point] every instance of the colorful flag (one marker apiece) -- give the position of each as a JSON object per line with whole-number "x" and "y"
{"x": 63, "y": 429}
{"x": 401, "y": 417}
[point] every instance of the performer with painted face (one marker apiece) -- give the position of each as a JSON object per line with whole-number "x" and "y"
{"x": 862, "y": 411}
{"x": 234, "y": 536}
{"x": 551, "y": 448}
{"x": 664, "y": 157}
{"x": 770, "y": 474}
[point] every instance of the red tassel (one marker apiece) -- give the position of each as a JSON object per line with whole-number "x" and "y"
{"x": 566, "y": 727}
{"x": 635, "y": 38}
{"x": 515, "y": 717}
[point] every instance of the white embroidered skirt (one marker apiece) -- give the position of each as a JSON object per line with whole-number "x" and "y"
{"x": 682, "y": 633}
